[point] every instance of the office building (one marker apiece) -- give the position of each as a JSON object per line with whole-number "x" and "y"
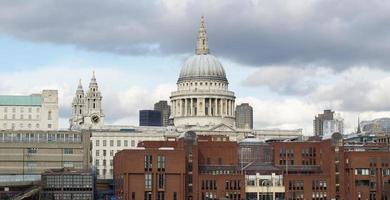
{"x": 244, "y": 116}
{"x": 165, "y": 110}
{"x": 67, "y": 184}
{"x": 24, "y": 155}
{"x": 150, "y": 118}
{"x": 192, "y": 167}
{"x": 336, "y": 125}
{"x": 318, "y": 123}
{"x": 32, "y": 112}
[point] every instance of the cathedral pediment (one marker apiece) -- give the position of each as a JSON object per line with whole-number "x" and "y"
{"x": 222, "y": 128}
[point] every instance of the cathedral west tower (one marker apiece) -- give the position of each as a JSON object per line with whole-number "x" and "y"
{"x": 202, "y": 97}
{"x": 87, "y": 110}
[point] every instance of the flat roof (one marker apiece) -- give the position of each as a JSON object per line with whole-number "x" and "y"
{"x": 14, "y": 100}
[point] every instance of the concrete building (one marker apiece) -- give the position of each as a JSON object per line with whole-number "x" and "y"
{"x": 318, "y": 123}
{"x": 150, "y": 118}
{"x": 32, "y": 112}
{"x": 193, "y": 167}
{"x": 165, "y": 110}
{"x": 244, "y": 116}
{"x": 87, "y": 112}
{"x": 106, "y": 142}
{"x": 202, "y": 97}
{"x": 24, "y": 155}
{"x": 67, "y": 184}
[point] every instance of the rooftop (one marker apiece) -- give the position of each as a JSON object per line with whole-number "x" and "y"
{"x": 13, "y": 100}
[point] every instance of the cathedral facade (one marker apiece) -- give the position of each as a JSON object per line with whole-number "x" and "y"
{"x": 87, "y": 110}
{"x": 202, "y": 97}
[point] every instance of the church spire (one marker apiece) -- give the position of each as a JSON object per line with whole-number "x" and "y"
{"x": 80, "y": 86}
{"x": 93, "y": 82}
{"x": 202, "y": 46}
{"x": 358, "y": 128}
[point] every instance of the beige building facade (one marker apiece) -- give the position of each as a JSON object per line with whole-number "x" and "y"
{"x": 31, "y": 112}
{"x": 24, "y": 155}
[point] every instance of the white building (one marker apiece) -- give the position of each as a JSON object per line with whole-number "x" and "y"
{"x": 32, "y": 112}
{"x": 202, "y": 97}
{"x": 87, "y": 110}
{"x": 111, "y": 139}
{"x": 333, "y": 126}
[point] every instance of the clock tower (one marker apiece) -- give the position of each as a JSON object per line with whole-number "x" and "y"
{"x": 88, "y": 113}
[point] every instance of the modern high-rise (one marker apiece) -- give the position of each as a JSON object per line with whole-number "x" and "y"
{"x": 30, "y": 112}
{"x": 244, "y": 116}
{"x": 149, "y": 118}
{"x": 318, "y": 123}
{"x": 333, "y": 126}
{"x": 165, "y": 110}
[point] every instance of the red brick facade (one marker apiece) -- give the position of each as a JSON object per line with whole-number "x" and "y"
{"x": 192, "y": 167}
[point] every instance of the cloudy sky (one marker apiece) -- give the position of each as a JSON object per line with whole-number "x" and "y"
{"x": 288, "y": 59}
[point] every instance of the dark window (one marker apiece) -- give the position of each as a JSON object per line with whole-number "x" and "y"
{"x": 161, "y": 181}
{"x": 133, "y": 196}
{"x": 160, "y": 196}
{"x": 148, "y": 196}
{"x": 174, "y": 195}
{"x": 161, "y": 163}
{"x": 148, "y": 162}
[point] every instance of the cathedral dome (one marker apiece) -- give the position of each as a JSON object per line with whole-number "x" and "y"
{"x": 202, "y": 66}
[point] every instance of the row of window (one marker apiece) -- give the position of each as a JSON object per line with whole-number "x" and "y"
{"x": 104, "y": 153}
{"x": 118, "y": 143}
{"x": 21, "y": 109}
{"x": 104, "y": 163}
{"x": 21, "y": 117}
{"x": 41, "y": 137}
{"x": 22, "y": 126}
{"x": 148, "y": 163}
{"x": 159, "y": 196}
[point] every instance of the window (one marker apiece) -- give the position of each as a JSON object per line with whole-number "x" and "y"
{"x": 161, "y": 163}
{"x": 160, "y": 196}
{"x": 97, "y": 143}
{"x": 97, "y": 162}
{"x": 97, "y": 153}
{"x": 68, "y": 164}
{"x": 111, "y": 143}
{"x": 104, "y": 163}
{"x": 132, "y": 143}
{"x": 148, "y": 181}
{"x": 118, "y": 143}
{"x": 148, "y": 163}
{"x": 174, "y": 195}
{"x": 161, "y": 181}
{"x": 111, "y": 152}
{"x": 104, "y": 152}
{"x": 104, "y": 143}
{"x": 5, "y": 116}
{"x": 126, "y": 143}
{"x": 111, "y": 162}
{"x": 68, "y": 151}
{"x": 21, "y": 116}
{"x": 29, "y": 110}
{"x": 49, "y": 126}
{"x": 13, "y": 109}
{"x": 148, "y": 196}
{"x": 49, "y": 115}
{"x": 133, "y": 196}
{"x": 32, "y": 150}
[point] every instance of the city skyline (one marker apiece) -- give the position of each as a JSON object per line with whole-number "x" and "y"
{"x": 286, "y": 89}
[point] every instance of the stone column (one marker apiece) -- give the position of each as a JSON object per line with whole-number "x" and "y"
{"x": 220, "y": 106}
{"x": 216, "y": 106}
{"x": 185, "y": 107}
{"x": 192, "y": 107}
{"x": 210, "y": 114}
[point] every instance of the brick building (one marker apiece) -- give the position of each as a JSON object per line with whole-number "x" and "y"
{"x": 334, "y": 169}
{"x": 192, "y": 167}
